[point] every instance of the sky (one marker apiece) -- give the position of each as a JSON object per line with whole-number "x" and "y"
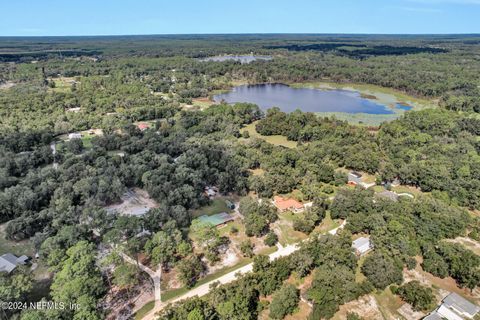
{"x": 127, "y": 17}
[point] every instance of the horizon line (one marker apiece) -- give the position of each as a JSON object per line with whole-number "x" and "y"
{"x": 246, "y": 34}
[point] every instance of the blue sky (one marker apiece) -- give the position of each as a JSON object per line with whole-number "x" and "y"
{"x": 117, "y": 17}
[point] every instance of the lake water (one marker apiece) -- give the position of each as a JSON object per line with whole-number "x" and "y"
{"x": 289, "y": 99}
{"x": 403, "y": 106}
{"x": 242, "y": 58}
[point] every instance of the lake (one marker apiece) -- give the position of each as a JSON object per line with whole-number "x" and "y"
{"x": 289, "y": 99}
{"x": 242, "y": 58}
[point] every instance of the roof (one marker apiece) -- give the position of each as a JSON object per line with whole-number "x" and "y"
{"x": 216, "y": 219}
{"x": 143, "y": 126}
{"x": 433, "y": 316}
{"x": 356, "y": 174}
{"x": 360, "y": 242}
{"x": 353, "y": 177}
{"x": 8, "y": 261}
{"x": 284, "y": 204}
{"x": 458, "y": 303}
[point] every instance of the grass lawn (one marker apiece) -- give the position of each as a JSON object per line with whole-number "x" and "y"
{"x": 62, "y": 84}
{"x": 202, "y": 103}
{"x": 288, "y": 235}
{"x": 406, "y": 189}
{"x": 24, "y": 247}
{"x": 226, "y": 231}
{"x": 378, "y": 188}
{"x": 388, "y": 304}
{"x": 216, "y": 206}
{"x": 147, "y": 307}
{"x": 276, "y": 140}
{"x": 359, "y": 276}
{"x": 327, "y": 224}
{"x": 87, "y": 141}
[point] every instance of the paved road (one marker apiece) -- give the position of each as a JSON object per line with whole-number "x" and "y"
{"x": 229, "y": 277}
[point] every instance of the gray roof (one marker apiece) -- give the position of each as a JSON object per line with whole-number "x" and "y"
{"x": 8, "y": 262}
{"x": 354, "y": 178}
{"x": 433, "y": 316}
{"x": 457, "y": 302}
{"x": 360, "y": 242}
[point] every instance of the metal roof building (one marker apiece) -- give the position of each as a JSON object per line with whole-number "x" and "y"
{"x": 216, "y": 219}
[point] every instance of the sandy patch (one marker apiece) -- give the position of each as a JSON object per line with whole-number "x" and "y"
{"x": 408, "y": 313}
{"x": 135, "y": 202}
{"x": 7, "y": 85}
{"x": 365, "y": 306}
{"x": 468, "y": 243}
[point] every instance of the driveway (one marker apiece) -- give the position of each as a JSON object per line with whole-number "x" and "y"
{"x": 229, "y": 277}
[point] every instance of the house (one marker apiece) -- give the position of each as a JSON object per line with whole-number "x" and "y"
{"x": 143, "y": 126}
{"x": 8, "y": 262}
{"x": 454, "y": 307}
{"x": 354, "y": 178}
{"x": 287, "y": 204}
{"x": 75, "y": 135}
{"x": 362, "y": 245}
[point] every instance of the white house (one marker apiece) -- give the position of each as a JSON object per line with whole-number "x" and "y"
{"x": 362, "y": 245}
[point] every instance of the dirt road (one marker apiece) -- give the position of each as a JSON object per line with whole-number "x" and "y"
{"x": 229, "y": 277}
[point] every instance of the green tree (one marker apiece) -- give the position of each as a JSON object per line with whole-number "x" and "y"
{"x": 190, "y": 269}
{"x": 79, "y": 280}
{"x": 420, "y": 297}
{"x": 382, "y": 270}
{"x": 284, "y": 301}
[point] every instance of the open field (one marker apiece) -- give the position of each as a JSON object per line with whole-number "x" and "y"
{"x": 62, "y": 84}
{"x": 24, "y": 247}
{"x": 276, "y": 140}
{"x": 216, "y": 206}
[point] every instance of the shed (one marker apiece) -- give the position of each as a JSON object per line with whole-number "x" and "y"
{"x": 362, "y": 245}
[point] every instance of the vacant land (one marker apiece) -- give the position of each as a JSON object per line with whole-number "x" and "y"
{"x": 217, "y": 205}
{"x": 276, "y": 140}
{"x": 135, "y": 202}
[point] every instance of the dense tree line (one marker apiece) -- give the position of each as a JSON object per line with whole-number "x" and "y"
{"x": 434, "y": 150}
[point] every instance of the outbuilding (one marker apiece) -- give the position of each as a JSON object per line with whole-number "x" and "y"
{"x": 362, "y": 245}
